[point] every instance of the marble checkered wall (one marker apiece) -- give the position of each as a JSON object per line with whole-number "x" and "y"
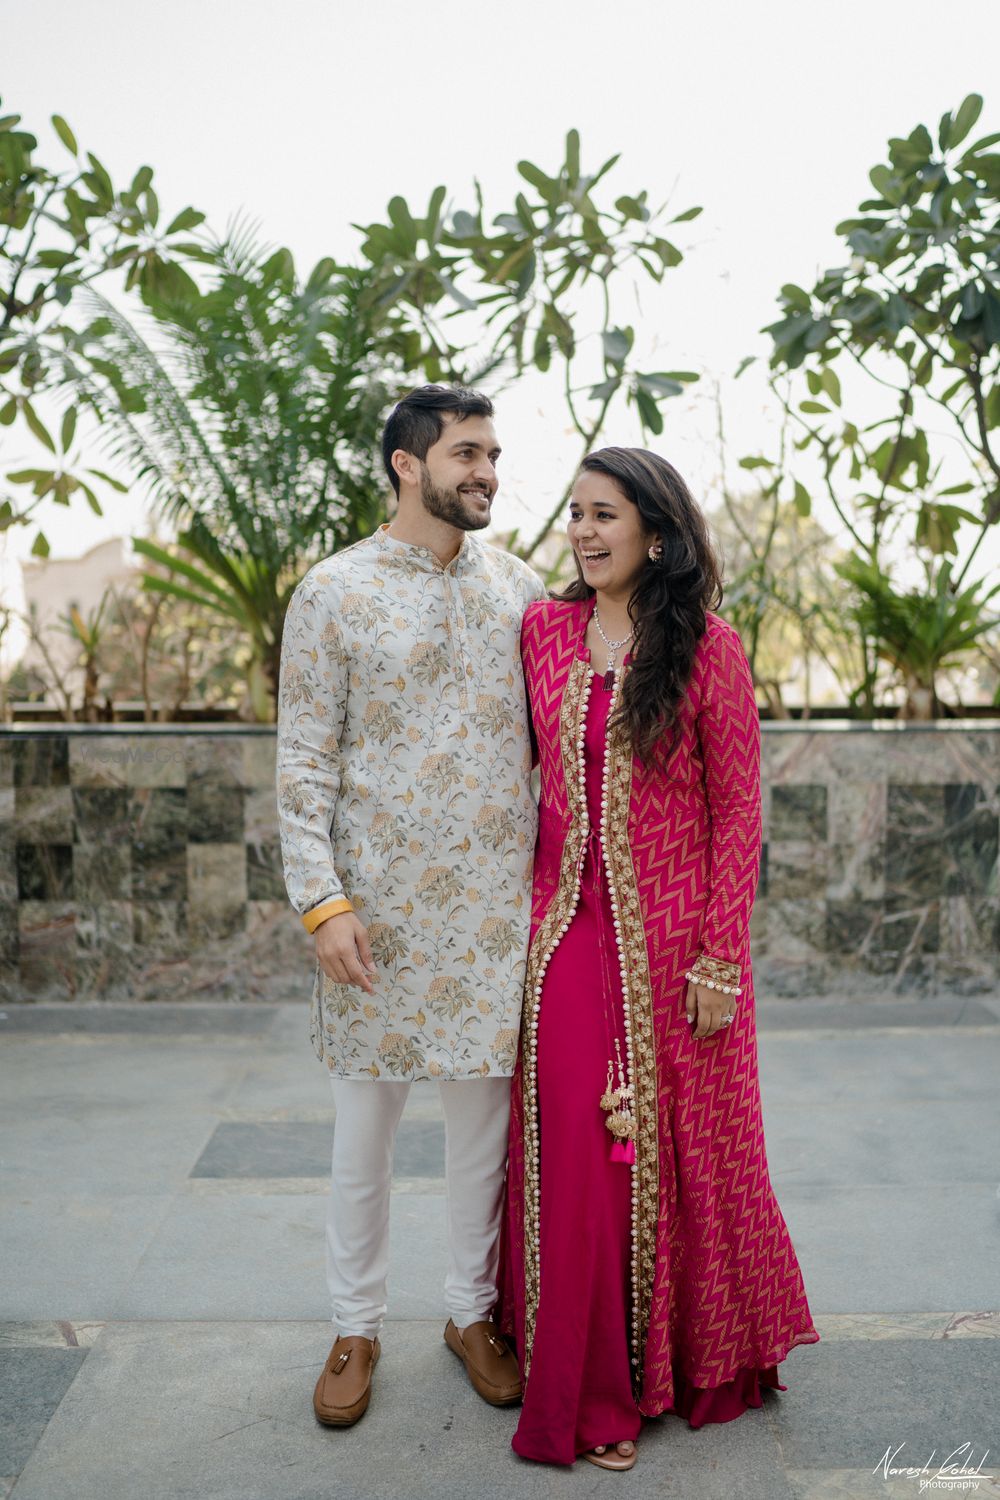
{"x": 144, "y": 864}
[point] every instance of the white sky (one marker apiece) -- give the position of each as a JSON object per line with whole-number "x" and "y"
{"x": 311, "y": 113}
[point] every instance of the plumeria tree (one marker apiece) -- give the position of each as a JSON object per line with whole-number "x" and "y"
{"x": 64, "y": 228}
{"x": 911, "y": 320}
{"x": 473, "y": 295}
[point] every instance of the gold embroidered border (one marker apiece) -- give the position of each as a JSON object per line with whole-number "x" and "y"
{"x": 545, "y": 942}
{"x": 639, "y": 1026}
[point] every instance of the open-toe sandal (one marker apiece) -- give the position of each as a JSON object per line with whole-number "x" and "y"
{"x": 611, "y": 1458}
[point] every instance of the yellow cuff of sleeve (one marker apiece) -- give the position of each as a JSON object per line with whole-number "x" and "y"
{"x": 312, "y": 919}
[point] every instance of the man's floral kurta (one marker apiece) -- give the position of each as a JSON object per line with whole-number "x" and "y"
{"x": 403, "y": 778}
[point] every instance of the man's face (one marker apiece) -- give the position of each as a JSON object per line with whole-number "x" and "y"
{"x": 458, "y": 478}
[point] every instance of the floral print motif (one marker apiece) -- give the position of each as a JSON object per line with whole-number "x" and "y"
{"x": 403, "y": 783}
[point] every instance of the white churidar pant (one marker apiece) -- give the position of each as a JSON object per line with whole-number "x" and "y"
{"x": 357, "y": 1230}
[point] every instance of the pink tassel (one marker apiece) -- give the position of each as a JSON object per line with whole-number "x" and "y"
{"x": 629, "y": 1155}
{"x": 618, "y": 1152}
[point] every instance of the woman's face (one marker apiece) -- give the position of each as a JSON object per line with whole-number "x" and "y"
{"x": 607, "y": 534}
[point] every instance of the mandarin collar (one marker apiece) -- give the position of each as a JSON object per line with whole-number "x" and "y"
{"x": 464, "y": 558}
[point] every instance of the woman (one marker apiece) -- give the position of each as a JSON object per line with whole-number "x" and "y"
{"x": 646, "y": 1264}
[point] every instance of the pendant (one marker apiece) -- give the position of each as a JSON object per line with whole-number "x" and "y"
{"x": 608, "y": 680}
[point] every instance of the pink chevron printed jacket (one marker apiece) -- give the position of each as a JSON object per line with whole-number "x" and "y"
{"x": 695, "y": 831}
{"x": 719, "y": 1293}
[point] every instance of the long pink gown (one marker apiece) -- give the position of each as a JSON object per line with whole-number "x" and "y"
{"x": 579, "y": 1391}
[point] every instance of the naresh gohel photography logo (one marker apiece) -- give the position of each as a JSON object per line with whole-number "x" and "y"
{"x": 957, "y": 1472}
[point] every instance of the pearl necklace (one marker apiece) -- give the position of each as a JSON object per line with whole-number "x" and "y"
{"x": 614, "y": 647}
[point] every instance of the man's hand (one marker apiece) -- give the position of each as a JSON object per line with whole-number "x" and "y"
{"x": 705, "y": 1010}
{"x": 344, "y": 953}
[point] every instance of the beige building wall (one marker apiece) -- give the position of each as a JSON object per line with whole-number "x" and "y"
{"x": 52, "y": 586}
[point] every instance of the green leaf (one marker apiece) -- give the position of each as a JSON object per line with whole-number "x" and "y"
{"x": 756, "y": 463}
{"x": 884, "y": 182}
{"x": 464, "y": 226}
{"x": 68, "y": 428}
{"x": 573, "y": 157}
{"x": 28, "y": 476}
{"x": 99, "y": 182}
{"x": 649, "y": 412}
{"x": 977, "y": 146}
{"x": 813, "y": 407}
{"x": 829, "y": 382}
{"x": 689, "y": 213}
{"x": 616, "y": 345}
{"x": 604, "y": 169}
{"x": 992, "y": 408}
{"x": 37, "y": 425}
{"x": 92, "y": 499}
{"x": 66, "y": 135}
{"x": 433, "y": 221}
{"x": 668, "y": 253}
{"x": 459, "y": 297}
{"x": 402, "y": 219}
{"x": 115, "y": 484}
{"x": 526, "y": 276}
{"x": 744, "y": 364}
{"x": 606, "y": 389}
{"x": 660, "y": 385}
{"x": 795, "y": 297}
{"x": 802, "y": 500}
{"x": 545, "y": 185}
{"x": 968, "y": 113}
{"x": 40, "y": 547}
{"x": 8, "y": 412}
{"x": 188, "y": 218}
{"x": 54, "y": 260}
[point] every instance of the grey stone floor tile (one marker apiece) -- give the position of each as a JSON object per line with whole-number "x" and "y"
{"x": 856, "y": 1399}
{"x": 896, "y": 1248}
{"x": 291, "y": 1149}
{"x": 32, "y": 1384}
{"x": 67, "y": 1255}
{"x": 108, "y": 1115}
{"x": 92, "y": 1018}
{"x": 233, "y": 1421}
{"x": 852, "y": 1068}
{"x": 876, "y": 1141}
{"x": 263, "y": 1256}
{"x": 82, "y": 1077}
{"x": 105, "y": 1152}
{"x": 815, "y": 1013}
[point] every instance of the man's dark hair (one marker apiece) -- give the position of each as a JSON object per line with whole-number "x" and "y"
{"x": 416, "y": 422}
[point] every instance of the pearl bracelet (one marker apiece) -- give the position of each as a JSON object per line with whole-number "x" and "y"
{"x": 711, "y": 984}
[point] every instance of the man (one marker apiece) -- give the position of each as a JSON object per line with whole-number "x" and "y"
{"x": 407, "y": 832}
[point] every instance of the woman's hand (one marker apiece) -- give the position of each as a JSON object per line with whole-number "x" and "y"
{"x": 706, "y": 1010}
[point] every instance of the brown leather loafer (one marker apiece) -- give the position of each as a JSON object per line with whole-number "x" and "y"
{"x": 344, "y": 1389}
{"x": 488, "y": 1359}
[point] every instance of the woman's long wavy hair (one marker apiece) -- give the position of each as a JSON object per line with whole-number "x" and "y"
{"x": 669, "y": 601}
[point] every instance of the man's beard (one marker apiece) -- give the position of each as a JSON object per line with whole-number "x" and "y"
{"x": 448, "y": 505}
